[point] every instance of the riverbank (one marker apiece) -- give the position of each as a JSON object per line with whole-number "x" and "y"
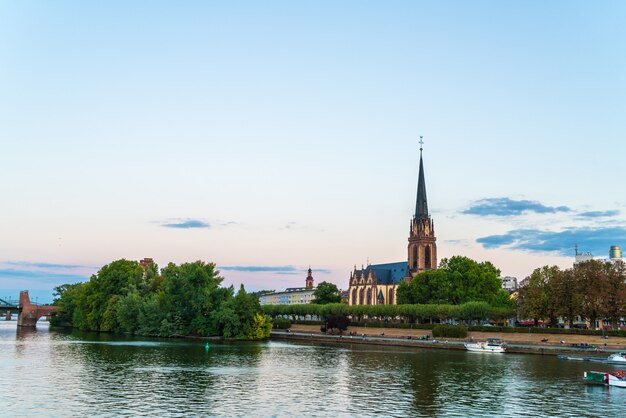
{"x": 553, "y": 344}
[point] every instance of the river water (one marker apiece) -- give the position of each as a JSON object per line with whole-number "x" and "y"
{"x": 51, "y": 373}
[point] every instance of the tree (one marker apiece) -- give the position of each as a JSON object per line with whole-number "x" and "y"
{"x": 458, "y": 280}
{"x": 183, "y": 300}
{"x": 567, "y": 295}
{"x": 104, "y": 289}
{"x": 189, "y": 295}
{"x": 536, "y": 299}
{"x": 338, "y": 322}
{"x": 593, "y": 279}
{"x": 615, "y": 301}
{"x": 326, "y": 293}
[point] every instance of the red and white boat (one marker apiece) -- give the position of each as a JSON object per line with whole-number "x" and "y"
{"x": 612, "y": 378}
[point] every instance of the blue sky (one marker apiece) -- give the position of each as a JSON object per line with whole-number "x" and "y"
{"x": 270, "y": 136}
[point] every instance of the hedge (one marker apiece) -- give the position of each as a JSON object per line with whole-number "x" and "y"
{"x": 450, "y": 331}
{"x": 281, "y": 323}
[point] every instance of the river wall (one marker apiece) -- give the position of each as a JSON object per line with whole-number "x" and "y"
{"x": 447, "y": 344}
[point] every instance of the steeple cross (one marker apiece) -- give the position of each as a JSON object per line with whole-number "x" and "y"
{"x": 421, "y": 142}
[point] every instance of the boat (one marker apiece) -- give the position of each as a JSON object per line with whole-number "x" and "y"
{"x": 612, "y": 378}
{"x": 492, "y": 345}
{"x": 618, "y": 357}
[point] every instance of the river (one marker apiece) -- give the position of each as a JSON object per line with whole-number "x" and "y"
{"x": 59, "y": 373}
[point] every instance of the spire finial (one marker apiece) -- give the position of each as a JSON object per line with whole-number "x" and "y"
{"x": 421, "y": 142}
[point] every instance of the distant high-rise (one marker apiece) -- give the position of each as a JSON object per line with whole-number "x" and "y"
{"x": 615, "y": 253}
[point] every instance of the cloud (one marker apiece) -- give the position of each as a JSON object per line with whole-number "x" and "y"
{"x": 14, "y": 274}
{"x": 28, "y": 264}
{"x": 461, "y": 242}
{"x": 272, "y": 269}
{"x": 599, "y": 213}
{"x": 503, "y": 206}
{"x": 594, "y": 240}
{"x": 186, "y": 224}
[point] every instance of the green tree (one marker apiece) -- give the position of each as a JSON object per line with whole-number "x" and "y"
{"x": 567, "y": 295}
{"x": 592, "y": 276}
{"x": 458, "y": 280}
{"x": 615, "y": 301}
{"x": 104, "y": 289}
{"x": 189, "y": 295}
{"x": 326, "y": 293}
{"x": 537, "y": 298}
{"x": 128, "y": 309}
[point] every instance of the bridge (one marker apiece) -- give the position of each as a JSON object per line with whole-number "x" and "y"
{"x": 28, "y": 313}
{"x": 9, "y": 306}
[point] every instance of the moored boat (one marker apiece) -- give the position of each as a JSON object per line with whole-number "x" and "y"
{"x": 612, "y": 378}
{"x": 492, "y": 345}
{"x": 618, "y": 357}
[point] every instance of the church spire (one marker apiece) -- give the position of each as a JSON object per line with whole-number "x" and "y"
{"x": 421, "y": 205}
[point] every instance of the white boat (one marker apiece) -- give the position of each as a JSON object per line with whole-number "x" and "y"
{"x": 492, "y": 345}
{"x": 618, "y": 357}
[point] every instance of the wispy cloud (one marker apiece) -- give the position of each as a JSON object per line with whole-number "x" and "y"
{"x": 599, "y": 214}
{"x": 460, "y": 242}
{"x": 52, "y": 266}
{"x": 39, "y": 275}
{"x": 503, "y": 206}
{"x": 272, "y": 269}
{"x": 185, "y": 224}
{"x": 595, "y": 240}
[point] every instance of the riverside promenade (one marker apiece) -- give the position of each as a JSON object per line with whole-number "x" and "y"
{"x": 556, "y": 344}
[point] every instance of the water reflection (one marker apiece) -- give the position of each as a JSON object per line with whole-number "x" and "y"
{"x": 60, "y": 373}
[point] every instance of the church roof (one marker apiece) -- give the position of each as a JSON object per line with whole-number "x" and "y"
{"x": 389, "y": 273}
{"x": 421, "y": 205}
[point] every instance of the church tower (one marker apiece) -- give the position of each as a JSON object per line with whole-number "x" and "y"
{"x": 422, "y": 246}
{"x": 309, "y": 278}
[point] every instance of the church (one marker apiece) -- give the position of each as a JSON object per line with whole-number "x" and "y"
{"x": 377, "y": 283}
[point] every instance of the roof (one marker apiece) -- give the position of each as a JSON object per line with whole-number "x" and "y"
{"x": 389, "y": 273}
{"x": 421, "y": 205}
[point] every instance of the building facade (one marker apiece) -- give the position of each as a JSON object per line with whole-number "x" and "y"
{"x": 291, "y": 295}
{"x": 377, "y": 284}
{"x": 509, "y": 283}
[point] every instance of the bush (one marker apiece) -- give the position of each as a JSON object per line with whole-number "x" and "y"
{"x": 450, "y": 331}
{"x": 281, "y": 323}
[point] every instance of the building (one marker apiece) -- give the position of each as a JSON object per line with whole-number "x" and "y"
{"x": 377, "y": 284}
{"x": 509, "y": 283}
{"x": 615, "y": 255}
{"x": 291, "y": 295}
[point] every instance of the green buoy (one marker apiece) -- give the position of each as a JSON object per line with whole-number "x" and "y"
{"x": 206, "y": 347}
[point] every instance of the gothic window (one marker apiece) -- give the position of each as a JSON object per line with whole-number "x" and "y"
{"x": 390, "y": 299}
{"x": 354, "y": 294}
{"x": 427, "y": 257}
{"x": 369, "y": 297}
{"x": 361, "y": 296}
{"x": 414, "y": 258}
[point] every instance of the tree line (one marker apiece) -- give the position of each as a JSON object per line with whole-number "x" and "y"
{"x": 592, "y": 290}
{"x": 179, "y": 300}
{"x": 415, "y": 313}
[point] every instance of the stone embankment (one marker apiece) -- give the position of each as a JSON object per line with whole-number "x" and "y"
{"x": 552, "y": 344}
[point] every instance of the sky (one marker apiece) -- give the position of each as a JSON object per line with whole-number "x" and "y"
{"x": 268, "y": 137}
